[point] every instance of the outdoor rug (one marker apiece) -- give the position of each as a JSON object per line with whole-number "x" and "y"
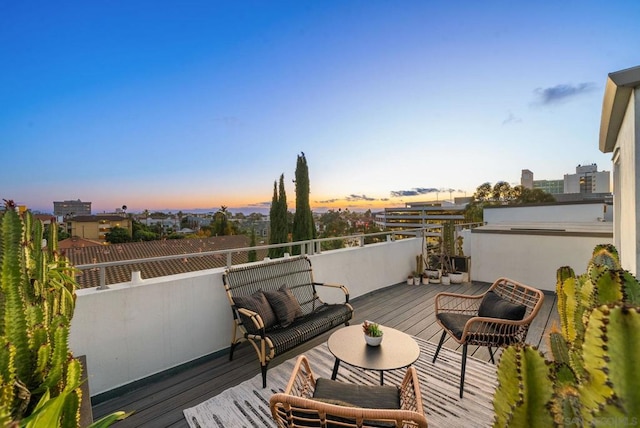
{"x": 247, "y": 405}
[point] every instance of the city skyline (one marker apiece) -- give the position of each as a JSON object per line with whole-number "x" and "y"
{"x": 162, "y": 106}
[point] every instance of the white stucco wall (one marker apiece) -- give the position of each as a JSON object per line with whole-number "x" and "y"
{"x": 626, "y": 194}
{"x": 529, "y": 258}
{"x": 130, "y": 332}
{"x": 561, "y": 213}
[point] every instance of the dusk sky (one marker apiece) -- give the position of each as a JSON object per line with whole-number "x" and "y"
{"x": 168, "y": 105}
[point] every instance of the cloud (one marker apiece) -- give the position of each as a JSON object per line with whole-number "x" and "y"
{"x": 413, "y": 192}
{"x": 421, "y": 191}
{"x": 559, "y": 93}
{"x": 260, "y": 204}
{"x": 350, "y": 198}
{"x": 353, "y": 198}
{"x": 511, "y": 119}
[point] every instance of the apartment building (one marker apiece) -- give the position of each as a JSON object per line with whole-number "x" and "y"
{"x": 96, "y": 227}
{"x": 71, "y": 208}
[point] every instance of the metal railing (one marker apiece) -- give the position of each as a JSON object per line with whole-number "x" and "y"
{"x": 308, "y": 247}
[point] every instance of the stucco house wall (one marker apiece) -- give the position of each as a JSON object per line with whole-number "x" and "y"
{"x": 619, "y": 136}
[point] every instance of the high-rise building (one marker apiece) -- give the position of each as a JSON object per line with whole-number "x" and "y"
{"x": 71, "y": 208}
{"x": 587, "y": 179}
{"x": 526, "y": 179}
{"x": 555, "y": 187}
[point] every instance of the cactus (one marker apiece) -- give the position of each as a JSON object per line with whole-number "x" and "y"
{"x": 592, "y": 379}
{"x": 419, "y": 265}
{"x": 39, "y": 378}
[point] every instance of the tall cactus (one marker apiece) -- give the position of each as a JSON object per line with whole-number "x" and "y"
{"x": 39, "y": 378}
{"x": 593, "y": 378}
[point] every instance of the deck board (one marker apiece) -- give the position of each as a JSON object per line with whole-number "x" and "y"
{"x": 159, "y": 403}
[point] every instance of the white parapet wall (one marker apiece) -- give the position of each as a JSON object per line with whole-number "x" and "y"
{"x": 132, "y": 331}
{"x": 568, "y": 212}
{"x": 532, "y": 253}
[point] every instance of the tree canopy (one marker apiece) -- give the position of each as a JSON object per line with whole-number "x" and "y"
{"x": 502, "y": 193}
{"x": 118, "y": 235}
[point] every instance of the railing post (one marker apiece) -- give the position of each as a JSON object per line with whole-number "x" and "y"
{"x": 103, "y": 279}
{"x": 229, "y": 259}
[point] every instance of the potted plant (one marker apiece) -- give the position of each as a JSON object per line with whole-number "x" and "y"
{"x": 456, "y": 277}
{"x": 39, "y": 376}
{"x": 445, "y": 279}
{"x": 417, "y": 276}
{"x": 432, "y": 269}
{"x": 425, "y": 278}
{"x": 372, "y": 333}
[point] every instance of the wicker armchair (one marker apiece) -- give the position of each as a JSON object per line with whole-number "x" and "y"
{"x": 308, "y": 401}
{"x": 498, "y": 318}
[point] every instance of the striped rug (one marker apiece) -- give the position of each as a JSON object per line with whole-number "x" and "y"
{"x": 247, "y": 405}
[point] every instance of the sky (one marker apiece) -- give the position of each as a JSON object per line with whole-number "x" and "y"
{"x": 167, "y": 105}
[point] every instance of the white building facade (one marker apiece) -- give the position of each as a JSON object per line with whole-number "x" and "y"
{"x": 619, "y": 126}
{"x": 587, "y": 179}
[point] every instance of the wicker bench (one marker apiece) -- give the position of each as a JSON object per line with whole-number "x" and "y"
{"x": 256, "y": 291}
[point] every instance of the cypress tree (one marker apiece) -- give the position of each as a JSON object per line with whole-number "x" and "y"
{"x": 252, "y": 255}
{"x": 303, "y": 228}
{"x": 278, "y": 220}
{"x": 273, "y": 221}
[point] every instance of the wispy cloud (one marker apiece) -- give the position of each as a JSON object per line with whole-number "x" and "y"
{"x": 511, "y": 119}
{"x": 420, "y": 191}
{"x": 560, "y": 93}
{"x": 350, "y": 198}
{"x": 353, "y": 198}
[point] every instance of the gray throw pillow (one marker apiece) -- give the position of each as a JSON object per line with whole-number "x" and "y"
{"x": 257, "y": 302}
{"x": 284, "y": 304}
{"x": 494, "y": 306}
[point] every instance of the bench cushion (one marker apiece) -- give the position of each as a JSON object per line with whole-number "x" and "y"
{"x": 257, "y": 302}
{"x": 284, "y": 304}
{"x": 324, "y": 318}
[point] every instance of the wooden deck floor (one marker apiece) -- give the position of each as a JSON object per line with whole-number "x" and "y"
{"x": 407, "y": 308}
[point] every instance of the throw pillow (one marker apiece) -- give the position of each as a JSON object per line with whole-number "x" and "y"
{"x": 494, "y": 306}
{"x": 257, "y": 302}
{"x": 284, "y": 304}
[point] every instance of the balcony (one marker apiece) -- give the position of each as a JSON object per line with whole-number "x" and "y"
{"x": 160, "y": 401}
{"x": 159, "y": 345}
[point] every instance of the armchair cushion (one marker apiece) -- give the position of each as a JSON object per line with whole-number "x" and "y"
{"x": 494, "y": 306}
{"x": 284, "y": 304}
{"x": 256, "y": 302}
{"x": 454, "y": 322}
{"x": 369, "y": 396}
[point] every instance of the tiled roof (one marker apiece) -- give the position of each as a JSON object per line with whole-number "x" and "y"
{"x": 77, "y": 242}
{"x": 91, "y": 218}
{"x": 141, "y": 250}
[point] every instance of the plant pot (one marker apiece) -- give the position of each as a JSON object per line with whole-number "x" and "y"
{"x": 433, "y": 273}
{"x": 410, "y": 280}
{"x": 434, "y": 280}
{"x": 445, "y": 280}
{"x": 373, "y": 341}
{"x": 416, "y": 280}
{"x": 456, "y": 277}
{"x": 425, "y": 280}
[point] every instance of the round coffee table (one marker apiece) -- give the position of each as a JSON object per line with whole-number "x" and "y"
{"x": 397, "y": 350}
